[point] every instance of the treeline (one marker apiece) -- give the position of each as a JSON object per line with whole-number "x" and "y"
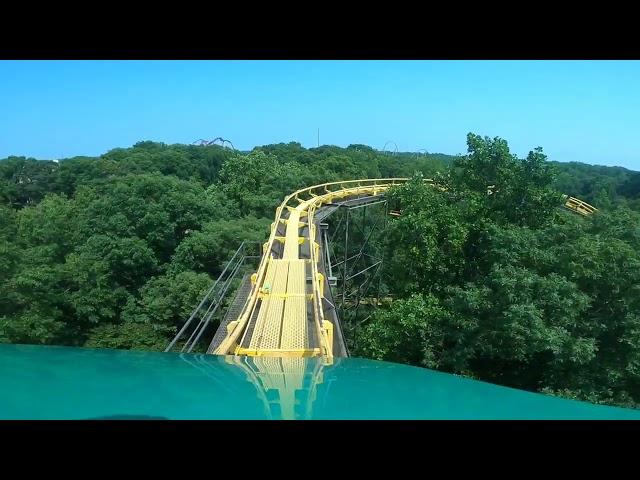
{"x": 25, "y": 181}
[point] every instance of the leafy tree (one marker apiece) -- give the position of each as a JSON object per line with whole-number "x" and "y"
{"x": 168, "y": 300}
{"x": 411, "y": 331}
{"x": 258, "y": 182}
{"x": 127, "y": 336}
{"x": 25, "y": 181}
{"x": 511, "y": 190}
{"x": 546, "y": 305}
{"x": 208, "y": 249}
{"x": 160, "y": 210}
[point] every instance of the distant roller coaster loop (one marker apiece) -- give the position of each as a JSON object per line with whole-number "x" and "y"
{"x": 223, "y": 142}
{"x": 395, "y": 151}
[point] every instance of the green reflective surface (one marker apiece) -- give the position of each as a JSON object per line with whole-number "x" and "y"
{"x": 75, "y": 383}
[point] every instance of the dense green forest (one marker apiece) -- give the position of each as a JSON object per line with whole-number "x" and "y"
{"x": 116, "y": 251}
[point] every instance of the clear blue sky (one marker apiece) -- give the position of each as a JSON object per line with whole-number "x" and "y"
{"x": 585, "y": 111}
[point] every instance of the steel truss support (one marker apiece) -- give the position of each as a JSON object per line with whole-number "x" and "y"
{"x": 359, "y": 269}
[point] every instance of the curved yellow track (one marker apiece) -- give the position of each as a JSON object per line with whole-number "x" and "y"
{"x": 284, "y": 309}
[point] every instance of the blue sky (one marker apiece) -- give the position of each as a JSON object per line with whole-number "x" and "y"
{"x": 585, "y": 111}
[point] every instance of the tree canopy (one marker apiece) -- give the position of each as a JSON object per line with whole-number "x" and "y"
{"x": 507, "y": 288}
{"x": 490, "y": 278}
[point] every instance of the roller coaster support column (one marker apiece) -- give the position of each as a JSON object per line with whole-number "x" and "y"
{"x": 358, "y": 263}
{"x": 344, "y": 266}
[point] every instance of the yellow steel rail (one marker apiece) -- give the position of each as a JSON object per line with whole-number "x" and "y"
{"x": 278, "y": 305}
{"x": 579, "y": 206}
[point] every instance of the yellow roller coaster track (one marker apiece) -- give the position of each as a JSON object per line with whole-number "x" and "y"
{"x": 283, "y": 314}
